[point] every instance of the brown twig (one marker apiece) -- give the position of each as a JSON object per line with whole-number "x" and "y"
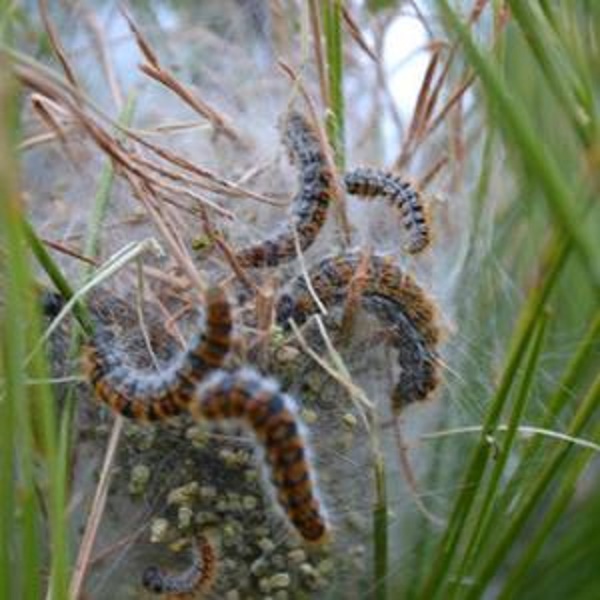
{"x": 314, "y": 11}
{"x": 60, "y": 247}
{"x": 357, "y": 35}
{"x": 355, "y": 291}
{"x": 56, "y": 45}
{"x": 101, "y": 47}
{"x": 153, "y": 69}
{"x": 96, "y": 512}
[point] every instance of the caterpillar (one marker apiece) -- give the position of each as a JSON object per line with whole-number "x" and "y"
{"x": 197, "y": 579}
{"x": 310, "y": 205}
{"x": 150, "y": 396}
{"x": 247, "y": 396}
{"x": 242, "y": 394}
{"x": 370, "y": 183}
{"x": 417, "y": 359}
{"x": 394, "y": 297}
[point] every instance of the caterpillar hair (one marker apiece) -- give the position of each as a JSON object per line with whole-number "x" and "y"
{"x": 309, "y": 206}
{"x": 394, "y": 297}
{"x": 247, "y": 396}
{"x": 149, "y": 396}
{"x": 417, "y": 359}
{"x": 370, "y": 183}
{"x": 197, "y": 579}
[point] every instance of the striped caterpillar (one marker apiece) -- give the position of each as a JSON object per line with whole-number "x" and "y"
{"x": 243, "y": 394}
{"x": 247, "y": 396}
{"x": 309, "y": 207}
{"x": 394, "y": 297}
{"x": 311, "y": 203}
{"x": 198, "y": 578}
{"x": 150, "y": 396}
{"x": 370, "y": 183}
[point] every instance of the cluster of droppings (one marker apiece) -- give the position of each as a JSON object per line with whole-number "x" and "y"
{"x": 140, "y": 475}
{"x": 158, "y": 530}
{"x": 220, "y": 485}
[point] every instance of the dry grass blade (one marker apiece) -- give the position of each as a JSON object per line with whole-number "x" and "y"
{"x": 209, "y": 181}
{"x": 433, "y": 172}
{"x": 317, "y": 34}
{"x": 356, "y": 34}
{"x": 418, "y": 120}
{"x": 97, "y": 510}
{"x": 410, "y": 477}
{"x": 426, "y": 123}
{"x": 148, "y": 198}
{"x": 306, "y": 276}
{"x": 56, "y": 45}
{"x": 355, "y": 291}
{"x": 342, "y": 378}
{"x": 213, "y": 182}
{"x": 105, "y": 141}
{"x": 58, "y": 131}
{"x": 99, "y": 40}
{"x": 60, "y": 247}
{"x": 153, "y": 69}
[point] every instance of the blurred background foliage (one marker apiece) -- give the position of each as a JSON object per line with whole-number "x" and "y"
{"x": 521, "y": 492}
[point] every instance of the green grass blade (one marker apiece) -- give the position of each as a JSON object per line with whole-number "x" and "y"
{"x": 380, "y": 531}
{"x": 55, "y": 274}
{"x": 510, "y": 113}
{"x": 574, "y": 372}
{"x": 481, "y": 527}
{"x": 537, "y": 35}
{"x": 332, "y": 23}
{"x": 551, "y": 471}
{"x": 26, "y": 414}
{"x": 555, "y": 260}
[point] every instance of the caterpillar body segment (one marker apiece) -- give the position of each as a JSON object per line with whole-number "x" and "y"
{"x": 150, "y": 396}
{"x": 370, "y": 183}
{"x": 419, "y": 374}
{"x": 257, "y": 401}
{"x": 310, "y": 204}
{"x": 394, "y": 297}
{"x": 194, "y": 581}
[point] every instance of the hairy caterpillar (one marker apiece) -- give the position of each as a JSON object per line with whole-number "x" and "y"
{"x": 311, "y": 203}
{"x": 198, "y": 578}
{"x": 417, "y": 359}
{"x": 243, "y": 395}
{"x": 370, "y": 183}
{"x": 152, "y": 396}
{"x": 249, "y": 397}
{"x": 309, "y": 207}
{"x": 394, "y": 297}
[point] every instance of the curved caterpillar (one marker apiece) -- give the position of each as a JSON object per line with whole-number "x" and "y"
{"x": 394, "y": 297}
{"x": 198, "y": 578}
{"x": 242, "y": 394}
{"x": 370, "y": 183}
{"x": 150, "y": 396}
{"x": 258, "y": 401}
{"x": 311, "y": 203}
{"x": 309, "y": 207}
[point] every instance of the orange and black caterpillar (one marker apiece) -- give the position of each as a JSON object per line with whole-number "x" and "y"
{"x": 310, "y": 205}
{"x": 197, "y": 579}
{"x": 247, "y": 396}
{"x": 394, "y": 297}
{"x": 243, "y": 395}
{"x": 370, "y": 183}
{"x": 151, "y": 396}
